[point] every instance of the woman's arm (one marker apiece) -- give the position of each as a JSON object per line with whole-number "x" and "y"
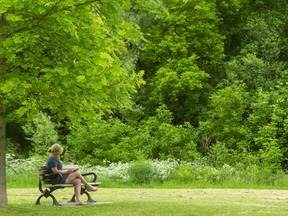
{"x": 56, "y": 171}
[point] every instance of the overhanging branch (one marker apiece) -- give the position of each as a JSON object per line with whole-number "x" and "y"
{"x": 3, "y": 19}
{"x": 48, "y": 12}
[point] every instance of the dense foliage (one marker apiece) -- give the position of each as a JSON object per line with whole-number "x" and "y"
{"x": 215, "y": 75}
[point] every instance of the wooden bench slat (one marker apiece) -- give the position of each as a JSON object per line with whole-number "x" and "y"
{"x": 71, "y": 185}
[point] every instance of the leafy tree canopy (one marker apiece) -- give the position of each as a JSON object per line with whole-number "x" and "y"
{"x": 64, "y": 56}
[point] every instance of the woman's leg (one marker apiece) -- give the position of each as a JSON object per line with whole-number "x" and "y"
{"x": 77, "y": 175}
{"x": 77, "y": 190}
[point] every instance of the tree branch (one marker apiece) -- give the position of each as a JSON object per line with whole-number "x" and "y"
{"x": 51, "y": 10}
{"x": 84, "y": 3}
{"x": 48, "y": 12}
{"x": 3, "y": 19}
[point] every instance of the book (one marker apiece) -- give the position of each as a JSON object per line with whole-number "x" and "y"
{"x": 71, "y": 167}
{"x": 76, "y": 169}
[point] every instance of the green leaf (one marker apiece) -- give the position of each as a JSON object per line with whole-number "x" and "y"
{"x": 27, "y": 85}
{"x": 81, "y": 78}
{"x": 17, "y": 39}
{"x": 62, "y": 71}
{"x": 41, "y": 10}
{"x": 10, "y": 56}
{"x": 106, "y": 56}
{"x": 49, "y": 4}
{"x": 127, "y": 5}
{"x": 97, "y": 86}
{"x": 122, "y": 32}
{"x": 2, "y": 9}
{"x": 4, "y": 6}
{"x": 13, "y": 17}
{"x": 21, "y": 111}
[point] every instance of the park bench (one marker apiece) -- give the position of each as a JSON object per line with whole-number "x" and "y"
{"x": 46, "y": 188}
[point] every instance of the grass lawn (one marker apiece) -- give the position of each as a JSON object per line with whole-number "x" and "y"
{"x": 162, "y": 202}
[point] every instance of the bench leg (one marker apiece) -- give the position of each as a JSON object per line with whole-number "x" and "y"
{"x": 38, "y": 200}
{"x": 46, "y": 195}
{"x": 89, "y": 198}
{"x": 72, "y": 199}
{"x": 83, "y": 191}
{"x": 55, "y": 202}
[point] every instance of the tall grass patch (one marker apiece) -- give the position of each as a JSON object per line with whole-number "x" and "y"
{"x": 22, "y": 173}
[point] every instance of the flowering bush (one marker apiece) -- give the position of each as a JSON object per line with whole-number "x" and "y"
{"x": 119, "y": 172}
{"x": 22, "y": 166}
{"x": 116, "y": 172}
{"x": 24, "y": 173}
{"x": 163, "y": 169}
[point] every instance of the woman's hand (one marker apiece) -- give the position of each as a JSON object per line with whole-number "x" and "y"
{"x": 55, "y": 171}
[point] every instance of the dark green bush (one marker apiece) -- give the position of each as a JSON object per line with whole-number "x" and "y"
{"x": 111, "y": 140}
{"x": 141, "y": 172}
{"x": 184, "y": 174}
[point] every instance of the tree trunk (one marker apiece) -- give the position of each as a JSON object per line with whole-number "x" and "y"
{"x": 3, "y": 190}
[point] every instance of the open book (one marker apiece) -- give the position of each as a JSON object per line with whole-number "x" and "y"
{"x": 71, "y": 167}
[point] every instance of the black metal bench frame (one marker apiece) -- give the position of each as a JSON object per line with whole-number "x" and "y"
{"x": 46, "y": 188}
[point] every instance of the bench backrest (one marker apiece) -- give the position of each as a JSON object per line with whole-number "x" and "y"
{"x": 44, "y": 177}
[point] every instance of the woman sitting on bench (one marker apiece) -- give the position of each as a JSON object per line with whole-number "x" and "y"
{"x": 70, "y": 176}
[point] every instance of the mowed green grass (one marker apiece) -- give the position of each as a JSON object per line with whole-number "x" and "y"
{"x": 162, "y": 202}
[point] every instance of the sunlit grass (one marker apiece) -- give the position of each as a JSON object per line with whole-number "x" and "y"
{"x": 162, "y": 202}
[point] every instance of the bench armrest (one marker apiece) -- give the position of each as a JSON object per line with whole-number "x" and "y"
{"x": 91, "y": 173}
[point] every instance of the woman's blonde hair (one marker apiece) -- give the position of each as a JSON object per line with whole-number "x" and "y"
{"x": 56, "y": 148}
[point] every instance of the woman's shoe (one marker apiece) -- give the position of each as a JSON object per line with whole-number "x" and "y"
{"x": 80, "y": 203}
{"x": 92, "y": 189}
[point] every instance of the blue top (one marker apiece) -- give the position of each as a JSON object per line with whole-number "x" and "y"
{"x": 53, "y": 162}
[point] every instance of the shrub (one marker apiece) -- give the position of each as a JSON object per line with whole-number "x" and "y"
{"x": 254, "y": 174}
{"x": 166, "y": 141}
{"x": 113, "y": 141}
{"x": 184, "y": 174}
{"x": 140, "y": 172}
{"x": 101, "y": 141}
{"x": 41, "y": 132}
{"x": 199, "y": 171}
